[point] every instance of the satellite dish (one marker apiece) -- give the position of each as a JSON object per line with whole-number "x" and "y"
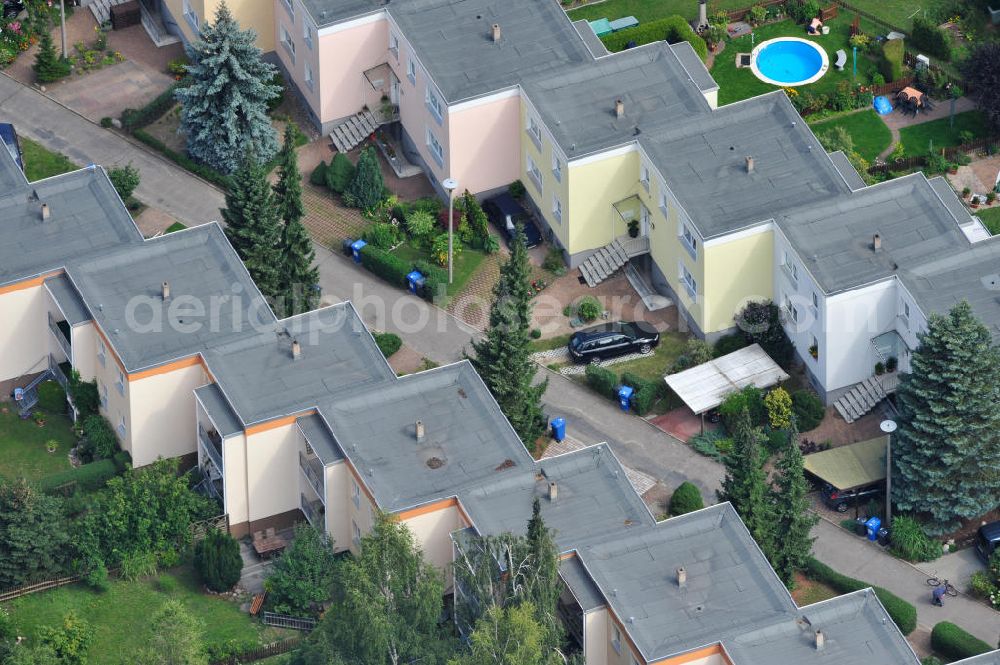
{"x": 888, "y": 426}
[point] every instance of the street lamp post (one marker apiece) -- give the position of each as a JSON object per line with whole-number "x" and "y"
{"x": 888, "y": 426}
{"x": 450, "y": 185}
{"x": 62, "y": 20}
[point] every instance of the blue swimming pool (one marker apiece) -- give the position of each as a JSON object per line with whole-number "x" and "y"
{"x": 789, "y": 61}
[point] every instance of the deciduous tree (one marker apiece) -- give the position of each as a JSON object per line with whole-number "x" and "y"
{"x": 33, "y": 535}
{"x": 982, "y": 74}
{"x": 303, "y": 575}
{"x": 508, "y": 636}
{"x": 175, "y": 639}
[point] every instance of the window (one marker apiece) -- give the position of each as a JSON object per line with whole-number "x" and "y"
{"x": 616, "y": 639}
{"x": 434, "y": 105}
{"x": 689, "y": 241}
{"x": 121, "y": 427}
{"x": 104, "y": 397}
{"x": 290, "y": 7}
{"x": 815, "y": 300}
{"x": 356, "y": 493}
{"x": 394, "y": 46}
{"x": 356, "y": 532}
{"x": 286, "y": 41}
{"x": 411, "y": 71}
{"x": 644, "y": 178}
{"x": 793, "y": 313}
{"x": 556, "y": 167}
{"x": 815, "y": 305}
{"x": 190, "y": 16}
{"x": 557, "y": 209}
{"x": 121, "y": 383}
{"x": 689, "y": 283}
{"x": 791, "y": 270}
{"x": 102, "y": 352}
{"x": 534, "y": 173}
{"x": 309, "y": 77}
{"x": 535, "y": 132}
{"x": 906, "y": 309}
{"x": 436, "y": 150}
{"x": 663, "y": 203}
{"x": 307, "y": 33}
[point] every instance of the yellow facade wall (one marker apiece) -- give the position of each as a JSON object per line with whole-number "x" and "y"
{"x": 595, "y": 637}
{"x": 25, "y": 340}
{"x": 737, "y": 270}
{"x": 256, "y": 14}
{"x": 593, "y": 188}
{"x": 551, "y": 185}
{"x": 432, "y": 532}
{"x": 234, "y": 462}
{"x": 162, "y": 414}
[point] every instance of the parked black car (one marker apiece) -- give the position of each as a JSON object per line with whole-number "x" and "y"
{"x": 12, "y": 8}
{"x": 841, "y": 500}
{"x": 987, "y": 540}
{"x": 612, "y": 339}
{"x": 506, "y": 213}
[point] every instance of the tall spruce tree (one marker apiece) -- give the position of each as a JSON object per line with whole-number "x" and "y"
{"x": 252, "y": 226}
{"x": 365, "y": 191}
{"x": 503, "y": 356}
{"x": 745, "y": 485}
{"x": 946, "y": 454}
{"x": 791, "y": 520}
{"x": 49, "y": 65}
{"x": 224, "y": 108}
{"x": 546, "y": 586}
{"x": 297, "y": 276}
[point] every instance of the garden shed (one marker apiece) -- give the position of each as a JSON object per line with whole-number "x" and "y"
{"x": 852, "y": 466}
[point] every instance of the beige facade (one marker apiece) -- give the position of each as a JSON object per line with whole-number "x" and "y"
{"x": 25, "y": 336}
{"x": 161, "y": 413}
{"x": 190, "y": 15}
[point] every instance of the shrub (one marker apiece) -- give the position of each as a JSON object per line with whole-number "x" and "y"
{"x": 892, "y": 59}
{"x": 779, "y": 408}
{"x": 275, "y": 102}
{"x": 439, "y": 249}
{"x": 758, "y": 14}
{"x": 217, "y": 560}
{"x": 902, "y": 613}
{"x": 516, "y": 189}
{"x": 588, "y": 308}
{"x": 760, "y": 322}
{"x": 930, "y": 39}
{"x": 420, "y": 223}
{"x": 646, "y": 392}
{"x": 602, "y": 380}
{"x": 303, "y": 576}
{"x": 51, "y": 397}
{"x": 982, "y": 586}
{"x": 49, "y": 65}
{"x": 388, "y": 343}
{"x": 137, "y": 565}
{"x": 776, "y": 439}
{"x": 381, "y": 235}
{"x": 318, "y": 176}
{"x": 70, "y": 641}
{"x": 340, "y": 173}
{"x": 491, "y": 245}
{"x": 685, "y": 499}
{"x": 696, "y": 352}
{"x": 101, "y": 441}
{"x": 386, "y": 265}
{"x": 367, "y": 188}
{"x": 87, "y": 477}
{"x": 554, "y": 260}
{"x": 808, "y": 410}
{"x": 435, "y": 279}
{"x": 106, "y": 122}
{"x": 878, "y": 80}
{"x": 122, "y": 460}
{"x": 133, "y": 119}
{"x": 729, "y": 343}
{"x": 97, "y": 578}
{"x": 178, "y": 66}
{"x": 911, "y": 543}
{"x": 673, "y": 29}
{"x": 707, "y": 443}
{"x": 954, "y": 643}
{"x": 536, "y": 333}
{"x": 750, "y": 399}
{"x": 125, "y": 180}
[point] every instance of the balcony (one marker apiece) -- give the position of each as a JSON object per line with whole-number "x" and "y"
{"x": 212, "y": 443}
{"x": 61, "y": 331}
{"x": 312, "y": 468}
{"x": 314, "y": 512}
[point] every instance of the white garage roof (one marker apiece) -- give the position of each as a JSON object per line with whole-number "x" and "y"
{"x": 705, "y": 387}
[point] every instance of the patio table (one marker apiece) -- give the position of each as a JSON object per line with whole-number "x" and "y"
{"x": 267, "y": 547}
{"x": 913, "y": 93}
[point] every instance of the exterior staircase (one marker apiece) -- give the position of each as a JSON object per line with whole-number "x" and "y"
{"x": 29, "y": 398}
{"x": 650, "y": 298}
{"x": 152, "y": 23}
{"x": 609, "y": 259}
{"x": 349, "y": 134}
{"x": 865, "y": 396}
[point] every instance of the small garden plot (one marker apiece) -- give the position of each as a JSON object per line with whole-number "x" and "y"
{"x": 870, "y": 134}
{"x": 968, "y": 126}
{"x": 649, "y": 10}
{"x": 991, "y": 219}
{"x": 24, "y": 446}
{"x": 40, "y": 162}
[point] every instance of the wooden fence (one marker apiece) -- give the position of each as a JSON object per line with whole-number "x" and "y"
{"x": 292, "y": 623}
{"x": 740, "y": 14}
{"x": 260, "y": 653}
{"x": 200, "y": 529}
{"x": 869, "y": 16}
{"x": 981, "y": 146}
{"x": 35, "y": 587}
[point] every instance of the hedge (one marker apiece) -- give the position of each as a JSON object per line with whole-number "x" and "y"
{"x": 930, "y": 39}
{"x": 133, "y": 119}
{"x": 388, "y": 343}
{"x": 602, "y": 380}
{"x": 892, "y": 60}
{"x": 902, "y": 613}
{"x": 385, "y": 264}
{"x": 183, "y": 160}
{"x": 645, "y": 393}
{"x": 435, "y": 279}
{"x": 88, "y": 477}
{"x": 672, "y": 29}
{"x": 954, "y": 643}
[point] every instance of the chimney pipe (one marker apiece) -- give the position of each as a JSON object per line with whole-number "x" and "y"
{"x": 619, "y": 108}
{"x": 296, "y": 350}
{"x": 495, "y": 32}
{"x": 877, "y": 242}
{"x": 749, "y": 164}
{"x": 553, "y": 491}
{"x": 166, "y": 290}
{"x": 682, "y": 578}
{"x": 420, "y": 430}
{"x": 46, "y": 213}
{"x": 820, "y": 640}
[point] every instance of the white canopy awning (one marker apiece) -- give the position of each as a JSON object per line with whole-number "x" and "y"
{"x": 705, "y": 387}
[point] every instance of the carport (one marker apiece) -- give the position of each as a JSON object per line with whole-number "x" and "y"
{"x": 704, "y": 387}
{"x": 850, "y": 467}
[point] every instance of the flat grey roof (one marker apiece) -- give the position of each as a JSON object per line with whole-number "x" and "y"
{"x": 580, "y": 585}
{"x": 577, "y": 103}
{"x": 86, "y": 217}
{"x": 68, "y": 299}
{"x": 694, "y": 66}
{"x": 730, "y": 588}
{"x": 854, "y": 630}
{"x": 468, "y": 443}
{"x": 123, "y": 289}
{"x": 992, "y": 658}
{"x": 590, "y": 38}
{"x": 328, "y": 12}
{"x": 704, "y": 162}
{"x": 951, "y": 201}
{"x": 219, "y": 410}
{"x": 851, "y": 175}
{"x": 262, "y": 380}
{"x": 320, "y": 438}
{"x": 453, "y": 41}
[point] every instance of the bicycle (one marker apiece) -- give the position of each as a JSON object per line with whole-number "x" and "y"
{"x": 949, "y": 588}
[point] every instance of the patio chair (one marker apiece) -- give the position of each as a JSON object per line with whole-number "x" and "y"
{"x": 270, "y": 532}
{"x": 928, "y": 104}
{"x": 258, "y": 535}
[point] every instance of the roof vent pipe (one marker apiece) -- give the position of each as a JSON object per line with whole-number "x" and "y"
{"x": 46, "y": 213}
{"x": 619, "y": 108}
{"x": 495, "y": 32}
{"x": 749, "y": 164}
{"x": 820, "y": 640}
{"x": 166, "y": 290}
{"x": 682, "y": 578}
{"x": 877, "y": 242}
{"x": 553, "y": 491}
{"x": 296, "y": 350}
{"x": 420, "y": 430}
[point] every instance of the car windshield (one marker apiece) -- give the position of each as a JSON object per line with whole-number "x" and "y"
{"x": 576, "y": 342}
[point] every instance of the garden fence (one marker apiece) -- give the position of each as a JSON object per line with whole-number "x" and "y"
{"x": 260, "y": 653}
{"x": 871, "y": 17}
{"x": 906, "y": 163}
{"x": 891, "y": 88}
{"x": 284, "y": 621}
{"x": 35, "y": 587}
{"x": 200, "y": 529}
{"x": 740, "y": 14}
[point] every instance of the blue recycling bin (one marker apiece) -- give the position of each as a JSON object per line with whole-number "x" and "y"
{"x": 558, "y": 429}
{"x": 873, "y": 524}
{"x": 356, "y": 250}
{"x": 625, "y": 397}
{"x": 416, "y": 281}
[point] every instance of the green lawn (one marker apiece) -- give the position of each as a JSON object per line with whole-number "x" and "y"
{"x": 650, "y": 10}
{"x": 654, "y": 366}
{"x": 991, "y": 218}
{"x": 870, "y": 134}
{"x": 176, "y": 226}
{"x": 550, "y": 343}
{"x": 899, "y": 13}
{"x": 41, "y": 163}
{"x": 736, "y": 84}
{"x": 466, "y": 263}
{"x": 22, "y": 446}
{"x": 916, "y": 138}
{"x": 120, "y": 616}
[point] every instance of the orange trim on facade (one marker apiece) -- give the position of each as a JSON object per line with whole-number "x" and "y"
{"x": 714, "y": 650}
{"x": 443, "y": 504}
{"x": 166, "y": 369}
{"x": 29, "y": 283}
{"x": 277, "y": 422}
{"x": 567, "y": 555}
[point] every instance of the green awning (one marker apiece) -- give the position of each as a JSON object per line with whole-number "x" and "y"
{"x": 847, "y": 467}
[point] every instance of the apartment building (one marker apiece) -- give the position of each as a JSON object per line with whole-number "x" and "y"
{"x": 184, "y": 18}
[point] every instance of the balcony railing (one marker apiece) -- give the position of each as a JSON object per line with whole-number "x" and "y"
{"x": 60, "y": 336}
{"x": 313, "y": 469}
{"x": 212, "y": 449}
{"x": 314, "y": 511}
{"x": 58, "y": 373}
